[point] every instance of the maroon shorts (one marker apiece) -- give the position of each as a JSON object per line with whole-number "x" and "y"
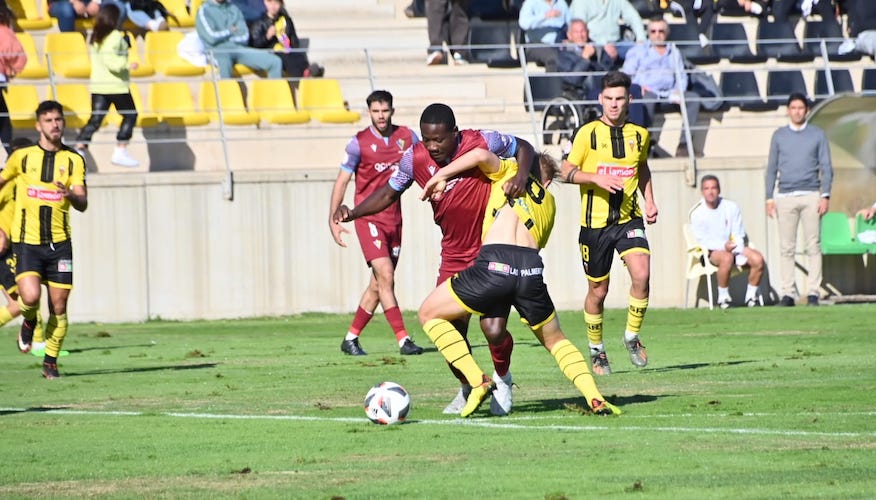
{"x": 378, "y": 240}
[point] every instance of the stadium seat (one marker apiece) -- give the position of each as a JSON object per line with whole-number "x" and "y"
{"x": 698, "y": 265}
{"x": 499, "y": 36}
{"x": 226, "y": 98}
{"x": 22, "y": 101}
{"x": 173, "y": 102}
{"x": 740, "y": 89}
{"x": 781, "y": 83}
{"x": 836, "y": 236}
{"x": 67, "y": 54}
{"x": 868, "y": 81}
{"x": 323, "y": 99}
{"x": 827, "y": 28}
{"x": 144, "y": 68}
{"x": 841, "y": 79}
{"x": 145, "y": 117}
{"x": 181, "y": 17}
{"x": 273, "y": 101}
{"x": 76, "y": 100}
{"x": 862, "y": 225}
{"x": 777, "y": 40}
{"x": 34, "y": 68}
{"x": 31, "y": 15}
{"x": 729, "y": 41}
{"x": 160, "y": 51}
{"x": 545, "y": 87}
{"x": 687, "y": 40}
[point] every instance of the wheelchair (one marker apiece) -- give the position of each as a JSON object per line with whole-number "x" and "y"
{"x": 564, "y": 114}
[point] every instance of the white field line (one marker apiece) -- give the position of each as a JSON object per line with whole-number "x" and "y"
{"x": 503, "y": 423}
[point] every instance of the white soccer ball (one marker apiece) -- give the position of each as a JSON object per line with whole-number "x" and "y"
{"x": 387, "y": 403}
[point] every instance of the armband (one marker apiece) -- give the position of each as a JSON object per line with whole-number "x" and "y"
{"x": 571, "y": 175}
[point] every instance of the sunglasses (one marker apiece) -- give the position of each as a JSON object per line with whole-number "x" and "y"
{"x": 656, "y": 31}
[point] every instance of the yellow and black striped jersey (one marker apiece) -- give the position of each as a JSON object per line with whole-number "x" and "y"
{"x": 536, "y": 207}
{"x": 7, "y": 206}
{"x": 41, "y": 214}
{"x": 620, "y": 151}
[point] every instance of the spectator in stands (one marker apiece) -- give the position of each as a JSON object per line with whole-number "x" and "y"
{"x": 150, "y": 15}
{"x": 66, "y": 11}
{"x": 12, "y": 61}
{"x": 578, "y": 54}
{"x": 603, "y": 18}
{"x": 717, "y": 225}
{"x": 110, "y": 83}
{"x": 869, "y": 212}
{"x": 252, "y": 10}
{"x": 276, "y": 30}
{"x": 783, "y": 9}
{"x": 447, "y": 21}
{"x": 755, "y": 8}
{"x": 700, "y": 15}
{"x": 544, "y": 21}
{"x": 223, "y": 30}
{"x": 799, "y": 160}
{"x": 658, "y": 67}
{"x": 862, "y": 27}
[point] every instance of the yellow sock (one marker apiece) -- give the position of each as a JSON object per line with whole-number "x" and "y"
{"x": 56, "y": 330}
{"x": 452, "y": 346}
{"x": 575, "y": 368}
{"x": 5, "y": 315}
{"x": 636, "y": 313}
{"x": 38, "y": 329}
{"x": 594, "y": 327}
{"x": 27, "y": 312}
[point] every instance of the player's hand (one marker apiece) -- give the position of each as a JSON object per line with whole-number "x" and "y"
{"x": 513, "y": 187}
{"x": 338, "y": 230}
{"x": 771, "y": 208}
{"x": 342, "y": 214}
{"x": 823, "y": 205}
{"x": 65, "y": 192}
{"x": 650, "y": 212}
{"x": 729, "y": 246}
{"x": 610, "y": 183}
{"x": 433, "y": 189}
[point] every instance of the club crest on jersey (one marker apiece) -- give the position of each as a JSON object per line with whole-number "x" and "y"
{"x": 378, "y": 244}
{"x": 374, "y": 148}
{"x": 432, "y": 169}
{"x": 401, "y": 144}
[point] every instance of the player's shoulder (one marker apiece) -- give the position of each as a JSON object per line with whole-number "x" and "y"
{"x": 636, "y": 128}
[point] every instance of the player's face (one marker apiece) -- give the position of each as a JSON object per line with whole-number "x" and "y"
{"x": 381, "y": 116}
{"x": 50, "y": 125}
{"x": 615, "y": 101}
{"x": 710, "y": 191}
{"x": 439, "y": 141}
{"x": 797, "y": 112}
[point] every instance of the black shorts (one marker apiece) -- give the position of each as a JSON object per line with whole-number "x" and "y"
{"x": 597, "y": 245}
{"x": 503, "y": 276}
{"x": 7, "y": 271}
{"x": 52, "y": 263}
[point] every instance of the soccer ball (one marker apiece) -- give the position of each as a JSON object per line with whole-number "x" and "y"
{"x": 387, "y": 403}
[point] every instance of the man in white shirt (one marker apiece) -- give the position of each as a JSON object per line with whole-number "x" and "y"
{"x": 717, "y": 225}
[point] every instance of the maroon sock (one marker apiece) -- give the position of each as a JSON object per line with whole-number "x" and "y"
{"x": 360, "y": 320}
{"x": 394, "y": 317}
{"x": 502, "y": 355}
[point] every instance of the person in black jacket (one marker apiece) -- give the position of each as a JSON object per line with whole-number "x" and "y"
{"x": 275, "y": 30}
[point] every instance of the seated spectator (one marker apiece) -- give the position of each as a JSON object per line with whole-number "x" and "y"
{"x": 782, "y": 10}
{"x": 252, "y": 10}
{"x": 654, "y": 65}
{"x": 868, "y": 213}
{"x": 756, "y": 8}
{"x": 149, "y": 15}
{"x": 66, "y": 11}
{"x": 578, "y": 54}
{"x": 12, "y": 61}
{"x": 700, "y": 15}
{"x": 603, "y": 18}
{"x": 543, "y": 21}
{"x": 717, "y": 226}
{"x": 275, "y": 30}
{"x": 862, "y": 28}
{"x": 221, "y": 27}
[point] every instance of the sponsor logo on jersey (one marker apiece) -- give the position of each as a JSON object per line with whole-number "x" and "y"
{"x": 616, "y": 170}
{"x": 401, "y": 144}
{"x": 44, "y": 194}
{"x": 65, "y": 266}
{"x": 499, "y": 267}
{"x": 381, "y": 166}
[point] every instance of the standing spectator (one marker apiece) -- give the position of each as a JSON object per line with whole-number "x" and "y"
{"x": 609, "y": 159}
{"x": 372, "y": 155}
{"x": 41, "y": 228}
{"x": 578, "y": 54}
{"x": 110, "y": 83}
{"x": 12, "y": 61}
{"x": 658, "y": 67}
{"x": 604, "y": 17}
{"x": 544, "y": 21}
{"x": 717, "y": 226}
{"x": 800, "y": 160}
{"x": 223, "y": 30}
{"x": 276, "y": 31}
{"x": 447, "y": 21}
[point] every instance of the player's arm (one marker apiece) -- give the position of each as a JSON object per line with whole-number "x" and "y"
{"x": 487, "y": 161}
{"x": 78, "y": 195}
{"x": 377, "y": 201}
{"x": 338, "y": 191}
{"x": 571, "y": 174}
{"x": 525, "y": 154}
{"x": 648, "y": 192}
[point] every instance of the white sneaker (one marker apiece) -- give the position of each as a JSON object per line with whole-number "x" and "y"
{"x": 500, "y": 404}
{"x": 704, "y": 40}
{"x": 434, "y": 58}
{"x": 458, "y": 59}
{"x": 459, "y": 401}
{"x": 847, "y": 47}
{"x": 123, "y": 159}
{"x": 724, "y": 302}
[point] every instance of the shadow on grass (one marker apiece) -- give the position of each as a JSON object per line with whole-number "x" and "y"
{"x": 695, "y": 366}
{"x": 141, "y": 370}
{"x": 578, "y": 403}
{"x": 37, "y": 409}
{"x": 107, "y": 348}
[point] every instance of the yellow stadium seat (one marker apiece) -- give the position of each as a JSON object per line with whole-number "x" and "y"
{"x": 182, "y": 18}
{"x": 144, "y": 68}
{"x": 161, "y": 53}
{"x": 145, "y": 117}
{"x": 31, "y": 14}
{"x": 76, "y": 100}
{"x": 67, "y": 53}
{"x": 322, "y": 98}
{"x": 173, "y": 102}
{"x": 22, "y": 101}
{"x": 34, "y": 69}
{"x": 230, "y": 101}
{"x": 273, "y": 101}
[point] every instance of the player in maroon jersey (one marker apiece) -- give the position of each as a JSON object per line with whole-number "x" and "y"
{"x": 460, "y": 215}
{"x": 372, "y": 155}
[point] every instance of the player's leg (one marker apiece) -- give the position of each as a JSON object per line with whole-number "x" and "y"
{"x": 501, "y": 344}
{"x": 384, "y": 270}
{"x": 638, "y": 264}
{"x": 56, "y": 328}
{"x": 28, "y": 305}
{"x": 724, "y": 261}
{"x": 596, "y": 257}
{"x": 370, "y": 297}
{"x": 755, "y": 274}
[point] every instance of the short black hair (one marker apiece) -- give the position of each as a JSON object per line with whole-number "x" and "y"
{"x": 798, "y": 96}
{"x": 439, "y": 114}
{"x": 616, "y": 79}
{"x": 379, "y": 96}
{"x": 710, "y": 177}
{"x": 46, "y": 106}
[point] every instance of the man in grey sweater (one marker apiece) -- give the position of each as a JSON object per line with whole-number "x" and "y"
{"x": 800, "y": 159}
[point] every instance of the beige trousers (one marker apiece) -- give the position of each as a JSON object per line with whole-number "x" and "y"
{"x": 802, "y": 211}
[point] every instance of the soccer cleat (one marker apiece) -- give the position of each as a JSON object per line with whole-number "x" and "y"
{"x": 477, "y": 396}
{"x": 638, "y": 355}
{"x": 812, "y": 300}
{"x": 724, "y": 303}
{"x": 352, "y": 347}
{"x": 500, "y": 404}
{"x": 459, "y": 400}
{"x": 604, "y": 408}
{"x": 50, "y": 370}
{"x": 409, "y": 348}
{"x": 787, "y": 301}
{"x": 599, "y": 363}
{"x": 25, "y": 336}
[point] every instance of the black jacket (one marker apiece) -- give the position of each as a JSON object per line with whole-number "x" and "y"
{"x": 260, "y": 26}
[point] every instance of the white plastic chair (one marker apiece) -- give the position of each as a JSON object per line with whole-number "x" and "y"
{"x": 697, "y": 265}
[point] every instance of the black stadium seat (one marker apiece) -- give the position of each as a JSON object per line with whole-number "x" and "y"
{"x": 782, "y": 83}
{"x": 497, "y": 35}
{"x": 828, "y": 28}
{"x": 868, "y": 81}
{"x": 730, "y": 42}
{"x": 740, "y": 89}
{"x": 687, "y": 40}
{"x": 787, "y": 50}
{"x": 842, "y": 82}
